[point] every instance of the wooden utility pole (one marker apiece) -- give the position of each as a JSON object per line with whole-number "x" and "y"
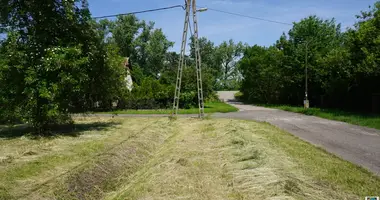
{"x": 189, "y": 4}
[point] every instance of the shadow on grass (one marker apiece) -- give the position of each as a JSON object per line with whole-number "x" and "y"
{"x": 326, "y": 111}
{"x": 70, "y": 130}
{"x": 236, "y": 102}
{"x": 370, "y": 120}
{"x": 233, "y": 101}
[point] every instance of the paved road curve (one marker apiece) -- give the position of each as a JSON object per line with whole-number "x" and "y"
{"x": 357, "y": 144}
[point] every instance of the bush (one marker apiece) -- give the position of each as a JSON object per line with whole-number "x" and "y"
{"x": 188, "y": 100}
{"x": 39, "y": 92}
{"x": 9, "y": 118}
{"x": 62, "y": 81}
{"x": 239, "y": 96}
{"x": 151, "y": 94}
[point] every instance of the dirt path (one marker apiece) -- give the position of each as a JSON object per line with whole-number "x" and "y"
{"x": 356, "y": 144}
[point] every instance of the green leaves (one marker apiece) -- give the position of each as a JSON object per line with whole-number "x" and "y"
{"x": 343, "y": 68}
{"x": 221, "y": 61}
{"x": 227, "y": 56}
{"x": 58, "y": 66}
{"x": 277, "y": 74}
{"x": 155, "y": 52}
{"x": 260, "y": 67}
{"x": 146, "y": 46}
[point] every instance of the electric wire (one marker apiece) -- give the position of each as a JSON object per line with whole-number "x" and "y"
{"x": 139, "y": 12}
{"x": 131, "y": 13}
{"x": 181, "y": 6}
{"x": 247, "y": 16}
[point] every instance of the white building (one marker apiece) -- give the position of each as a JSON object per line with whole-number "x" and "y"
{"x": 128, "y": 79}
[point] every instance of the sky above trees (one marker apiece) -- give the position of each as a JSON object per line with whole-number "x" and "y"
{"x": 219, "y": 27}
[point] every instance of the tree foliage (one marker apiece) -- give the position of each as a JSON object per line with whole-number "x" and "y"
{"x": 227, "y": 56}
{"x": 221, "y": 61}
{"x": 262, "y": 65}
{"x": 343, "y": 69}
{"x": 140, "y": 41}
{"x": 54, "y": 62}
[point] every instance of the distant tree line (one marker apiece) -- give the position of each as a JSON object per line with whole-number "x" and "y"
{"x": 343, "y": 66}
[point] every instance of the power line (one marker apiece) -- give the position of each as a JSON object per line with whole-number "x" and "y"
{"x": 138, "y": 12}
{"x": 257, "y": 18}
{"x": 130, "y": 13}
{"x": 181, "y": 6}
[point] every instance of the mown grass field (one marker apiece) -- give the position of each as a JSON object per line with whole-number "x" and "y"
{"x": 210, "y": 107}
{"x": 371, "y": 121}
{"x": 158, "y": 158}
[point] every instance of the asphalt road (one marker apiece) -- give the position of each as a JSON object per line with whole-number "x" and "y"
{"x": 359, "y": 145}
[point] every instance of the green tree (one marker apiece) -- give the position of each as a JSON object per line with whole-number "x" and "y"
{"x": 227, "y": 56}
{"x": 37, "y": 30}
{"x": 207, "y": 50}
{"x": 310, "y": 39}
{"x": 262, "y": 81}
{"x": 362, "y": 44}
{"x": 124, "y": 31}
{"x": 145, "y": 45}
{"x": 343, "y": 69}
{"x": 221, "y": 61}
{"x": 278, "y": 74}
{"x": 210, "y": 62}
{"x": 57, "y": 62}
{"x": 155, "y": 53}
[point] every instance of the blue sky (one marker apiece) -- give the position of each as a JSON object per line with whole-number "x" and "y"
{"x": 219, "y": 26}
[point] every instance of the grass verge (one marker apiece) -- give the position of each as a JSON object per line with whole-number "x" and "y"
{"x": 141, "y": 158}
{"x": 371, "y": 121}
{"x": 231, "y": 159}
{"x": 325, "y": 168}
{"x": 210, "y": 107}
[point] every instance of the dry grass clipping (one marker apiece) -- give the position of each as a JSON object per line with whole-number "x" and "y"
{"x": 222, "y": 159}
{"x": 175, "y": 159}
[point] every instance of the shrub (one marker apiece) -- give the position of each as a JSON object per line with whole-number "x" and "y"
{"x": 239, "y": 96}
{"x": 151, "y": 94}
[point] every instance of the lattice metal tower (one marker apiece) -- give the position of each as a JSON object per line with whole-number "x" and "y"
{"x": 190, "y": 5}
